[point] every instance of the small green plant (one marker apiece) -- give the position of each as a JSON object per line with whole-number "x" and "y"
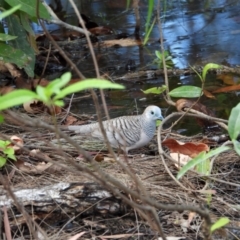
{"x": 7, "y": 152}
{"x": 193, "y": 91}
{"x": 54, "y": 92}
{"x": 159, "y": 59}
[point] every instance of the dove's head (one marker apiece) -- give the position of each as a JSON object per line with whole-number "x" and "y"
{"x": 153, "y": 113}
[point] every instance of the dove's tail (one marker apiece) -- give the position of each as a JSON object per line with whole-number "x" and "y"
{"x": 83, "y": 129}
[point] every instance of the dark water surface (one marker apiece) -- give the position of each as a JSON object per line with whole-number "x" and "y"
{"x": 195, "y": 33}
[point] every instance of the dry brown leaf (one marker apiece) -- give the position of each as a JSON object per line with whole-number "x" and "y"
{"x": 18, "y": 141}
{"x": 185, "y": 103}
{"x": 208, "y": 94}
{"x": 226, "y": 78}
{"x": 227, "y": 89}
{"x": 122, "y": 42}
{"x": 181, "y": 159}
{"x": 6, "y": 89}
{"x": 191, "y": 149}
{"x": 9, "y": 67}
{"x": 101, "y": 30}
{"x": 34, "y": 106}
{"x": 99, "y": 157}
{"x": 70, "y": 120}
{"x": 54, "y": 110}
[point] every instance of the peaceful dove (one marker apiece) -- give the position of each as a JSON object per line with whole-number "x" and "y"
{"x": 126, "y": 132}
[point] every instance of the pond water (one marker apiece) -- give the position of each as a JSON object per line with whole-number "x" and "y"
{"x": 195, "y": 33}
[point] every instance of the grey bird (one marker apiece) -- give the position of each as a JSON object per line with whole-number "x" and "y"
{"x": 126, "y": 132}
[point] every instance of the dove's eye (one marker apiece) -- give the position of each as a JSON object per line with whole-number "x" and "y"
{"x": 152, "y": 112}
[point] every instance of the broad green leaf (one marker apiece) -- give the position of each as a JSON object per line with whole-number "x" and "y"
{"x": 42, "y": 94}
{"x": 24, "y": 17}
{"x": 158, "y": 54}
{"x": 59, "y": 103}
{"x": 203, "y": 167}
{"x": 3, "y": 161}
{"x": 5, "y": 37}
{"x": 57, "y": 84}
{"x": 207, "y": 67}
{"x": 29, "y": 7}
{"x": 236, "y": 145}
{"x": 186, "y": 92}
{"x": 16, "y": 29}
{"x": 1, "y": 119}
{"x": 12, "y": 55}
{"x": 155, "y": 90}
{"x": 200, "y": 158}
{"x": 221, "y": 222}
{"x": 15, "y": 98}
{"x": 87, "y": 84}
{"x": 10, "y": 11}
{"x": 234, "y": 122}
{"x": 3, "y": 144}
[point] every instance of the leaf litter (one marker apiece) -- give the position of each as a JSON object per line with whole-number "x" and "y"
{"x": 148, "y": 168}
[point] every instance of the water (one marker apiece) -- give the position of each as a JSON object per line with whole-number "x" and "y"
{"x": 195, "y": 33}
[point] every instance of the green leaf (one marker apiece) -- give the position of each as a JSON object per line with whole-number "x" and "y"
{"x": 155, "y": 90}
{"x": 146, "y": 38}
{"x": 200, "y": 158}
{"x": 57, "y": 84}
{"x": 236, "y": 145}
{"x": 15, "y": 98}
{"x": 21, "y": 42}
{"x": 234, "y": 122}
{"x": 5, "y": 37}
{"x": 26, "y": 23}
{"x": 1, "y": 119}
{"x": 3, "y": 144}
{"x": 13, "y": 55}
{"x": 158, "y": 54}
{"x": 3, "y": 161}
{"x": 203, "y": 167}
{"x": 87, "y": 84}
{"x": 221, "y": 222}
{"x": 29, "y": 7}
{"x": 149, "y": 15}
{"x": 43, "y": 94}
{"x": 186, "y": 92}
{"x": 208, "y": 67}
{"x": 10, "y": 11}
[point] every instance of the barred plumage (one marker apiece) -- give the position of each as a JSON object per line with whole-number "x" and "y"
{"x": 126, "y": 132}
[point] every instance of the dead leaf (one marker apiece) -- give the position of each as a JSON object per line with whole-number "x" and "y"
{"x": 227, "y": 78}
{"x": 9, "y": 67}
{"x": 54, "y": 110}
{"x": 6, "y": 89}
{"x": 181, "y": 104}
{"x": 34, "y": 106}
{"x": 99, "y": 157}
{"x": 101, "y": 30}
{"x": 191, "y": 149}
{"x": 228, "y": 89}
{"x": 70, "y": 120}
{"x": 181, "y": 159}
{"x": 208, "y": 94}
{"x": 18, "y": 141}
{"x": 122, "y": 42}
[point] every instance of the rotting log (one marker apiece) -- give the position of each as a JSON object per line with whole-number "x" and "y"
{"x": 65, "y": 198}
